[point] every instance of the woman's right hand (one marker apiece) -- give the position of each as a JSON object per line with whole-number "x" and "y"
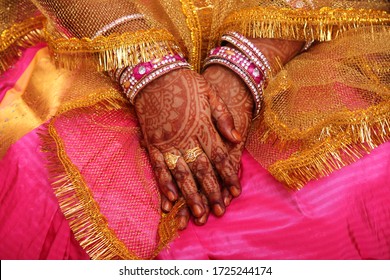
{"x": 175, "y": 117}
{"x": 238, "y": 99}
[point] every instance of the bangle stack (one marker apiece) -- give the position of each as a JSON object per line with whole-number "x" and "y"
{"x": 249, "y": 50}
{"x": 133, "y": 79}
{"x": 246, "y": 61}
{"x": 233, "y": 59}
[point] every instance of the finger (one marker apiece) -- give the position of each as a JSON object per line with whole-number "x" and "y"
{"x": 206, "y": 178}
{"x": 203, "y": 219}
{"x": 183, "y": 176}
{"x": 166, "y": 204}
{"x": 227, "y": 197}
{"x": 163, "y": 175}
{"x": 219, "y": 157}
{"x": 223, "y": 118}
{"x": 221, "y": 161}
{"x": 235, "y": 154}
{"x": 183, "y": 216}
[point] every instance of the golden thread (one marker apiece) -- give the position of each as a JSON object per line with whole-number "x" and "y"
{"x": 340, "y": 122}
{"x": 297, "y": 24}
{"x": 19, "y": 35}
{"x": 193, "y": 24}
{"x": 113, "y": 51}
{"x": 326, "y": 157}
{"x": 168, "y": 228}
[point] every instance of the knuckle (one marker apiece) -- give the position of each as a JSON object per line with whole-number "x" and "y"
{"x": 192, "y": 196}
{"x": 221, "y": 157}
{"x": 164, "y": 180}
{"x": 202, "y": 168}
{"x": 181, "y": 174}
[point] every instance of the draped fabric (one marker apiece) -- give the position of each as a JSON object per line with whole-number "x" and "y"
{"x": 325, "y": 109}
{"x": 343, "y": 216}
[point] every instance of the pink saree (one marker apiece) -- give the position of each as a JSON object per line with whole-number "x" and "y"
{"x": 343, "y": 216}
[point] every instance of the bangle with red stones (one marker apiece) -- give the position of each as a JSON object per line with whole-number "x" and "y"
{"x": 249, "y": 50}
{"x": 134, "y": 79}
{"x": 240, "y": 64}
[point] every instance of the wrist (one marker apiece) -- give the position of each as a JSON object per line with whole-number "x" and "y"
{"x": 161, "y": 83}
{"x": 278, "y": 51}
{"x": 252, "y": 72}
{"x": 217, "y": 75}
{"x": 134, "y": 79}
{"x": 225, "y": 74}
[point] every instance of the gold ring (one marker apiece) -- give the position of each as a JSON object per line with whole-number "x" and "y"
{"x": 171, "y": 160}
{"x": 192, "y": 154}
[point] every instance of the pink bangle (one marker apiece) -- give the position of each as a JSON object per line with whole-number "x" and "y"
{"x": 249, "y": 50}
{"x": 242, "y": 66}
{"x": 133, "y": 79}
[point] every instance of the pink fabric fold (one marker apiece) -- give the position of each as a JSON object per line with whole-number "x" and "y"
{"x": 343, "y": 216}
{"x": 9, "y": 78}
{"x": 31, "y": 224}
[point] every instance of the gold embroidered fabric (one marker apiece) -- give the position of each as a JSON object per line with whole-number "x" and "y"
{"x": 325, "y": 109}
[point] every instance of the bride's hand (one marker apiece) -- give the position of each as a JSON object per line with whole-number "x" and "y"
{"x": 239, "y": 101}
{"x": 184, "y": 147}
{"x": 237, "y": 97}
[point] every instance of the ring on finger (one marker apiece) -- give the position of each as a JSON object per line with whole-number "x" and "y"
{"x": 192, "y": 154}
{"x": 171, "y": 160}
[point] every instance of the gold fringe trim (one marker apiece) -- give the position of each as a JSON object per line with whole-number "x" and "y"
{"x": 194, "y": 26}
{"x": 353, "y": 123}
{"x": 338, "y": 150}
{"x": 168, "y": 228}
{"x": 19, "y": 35}
{"x": 113, "y": 51}
{"x": 297, "y": 24}
{"x": 76, "y": 201}
{"x": 107, "y": 98}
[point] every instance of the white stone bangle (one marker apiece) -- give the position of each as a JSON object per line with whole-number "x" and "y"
{"x": 133, "y": 79}
{"x": 243, "y": 67}
{"x": 117, "y": 22}
{"x": 249, "y": 50}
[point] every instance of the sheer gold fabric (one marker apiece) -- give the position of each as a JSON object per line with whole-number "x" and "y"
{"x": 324, "y": 109}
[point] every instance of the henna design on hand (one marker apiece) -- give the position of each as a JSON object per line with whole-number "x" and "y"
{"x": 174, "y": 114}
{"x": 278, "y": 50}
{"x": 238, "y": 99}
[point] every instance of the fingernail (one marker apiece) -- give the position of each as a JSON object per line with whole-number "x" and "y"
{"x": 166, "y": 206}
{"x": 198, "y": 211}
{"x": 182, "y": 223}
{"x": 235, "y": 191}
{"x": 218, "y": 210}
{"x": 226, "y": 201}
{"x": 171, "y": 196}
{"x": 236, "y": 135}
{"x": 201, "y": 221}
